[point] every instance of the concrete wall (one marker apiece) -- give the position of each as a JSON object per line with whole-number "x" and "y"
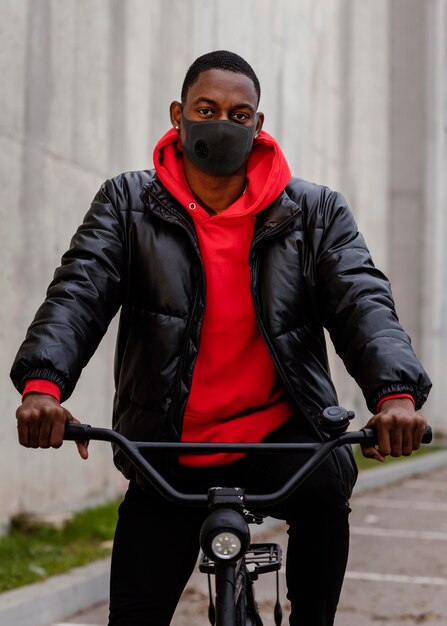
{"x": 354, "y": 90}
{"x": 434, "y": 254}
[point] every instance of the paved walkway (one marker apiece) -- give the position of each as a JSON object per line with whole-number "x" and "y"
{"x": 397, "y": 572}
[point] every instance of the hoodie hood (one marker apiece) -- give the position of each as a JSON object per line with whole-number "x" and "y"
{"x": 268, "y": 174}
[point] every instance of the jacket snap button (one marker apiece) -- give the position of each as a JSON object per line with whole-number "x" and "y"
{"x": 192, "y": 206}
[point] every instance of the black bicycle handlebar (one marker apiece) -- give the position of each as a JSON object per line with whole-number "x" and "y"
{"x": 132, "y": 449}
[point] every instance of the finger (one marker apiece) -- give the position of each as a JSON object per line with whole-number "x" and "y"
{"x": 33, "y": 431}
{"x": 396, "y": 442}
{"x": 383, "y": 440}
{"x": 418, "y": 433}
{"x": 22, "y": 427}
{"x": 57, "y": 434}
{"x": 44, "y": 434}
{"x": 23, "y": 433}
{"x": 407, "y": 441}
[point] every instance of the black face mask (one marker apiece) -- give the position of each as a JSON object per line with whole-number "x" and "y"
{"x": 218, "y": 148}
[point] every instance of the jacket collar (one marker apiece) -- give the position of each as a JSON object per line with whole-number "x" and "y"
{"x": 166, "y": 206}
{"x": 278, "y": 213}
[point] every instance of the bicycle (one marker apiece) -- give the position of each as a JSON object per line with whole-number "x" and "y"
{"x": 228, "y": 553}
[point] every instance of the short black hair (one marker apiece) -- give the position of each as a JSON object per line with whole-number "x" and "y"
{"x": 219, "y": 60}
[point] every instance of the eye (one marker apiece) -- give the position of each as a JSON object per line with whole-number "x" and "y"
{"x": 205, "y": 111}
{"x": 240, "y": 117}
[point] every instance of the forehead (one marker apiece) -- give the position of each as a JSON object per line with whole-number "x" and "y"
{"x": 221, "y": 85}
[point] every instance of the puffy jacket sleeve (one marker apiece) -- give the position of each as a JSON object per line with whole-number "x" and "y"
{"x": 83, "y": 297}
{"x": 357, "y": 308}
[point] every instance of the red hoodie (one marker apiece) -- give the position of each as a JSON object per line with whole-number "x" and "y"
{"x": 235, "y": 393}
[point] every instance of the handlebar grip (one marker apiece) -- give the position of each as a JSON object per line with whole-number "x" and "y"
{"x": 77, "y": 432}
{"x": 371, "y": 436}
{"x": 428, "y": 434}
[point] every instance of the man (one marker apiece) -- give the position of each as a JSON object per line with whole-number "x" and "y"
{"x": 226, "y": 270}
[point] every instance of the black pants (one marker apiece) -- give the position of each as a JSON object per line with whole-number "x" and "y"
{"x": 156, "y": 543}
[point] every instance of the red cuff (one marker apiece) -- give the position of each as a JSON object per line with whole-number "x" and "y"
{"x": 395, "y": 396}
{"x": 34, "y": 385}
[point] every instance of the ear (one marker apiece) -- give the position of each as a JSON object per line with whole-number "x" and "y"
{"x": 259, "y": 123}
{"x": 175, "y": 113}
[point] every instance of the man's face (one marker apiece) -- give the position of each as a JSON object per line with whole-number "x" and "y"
{"x": 219, "y": 95}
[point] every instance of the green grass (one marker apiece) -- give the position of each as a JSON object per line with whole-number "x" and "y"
{"x": 33, "y": 551}
{"x": 371, "y": 463}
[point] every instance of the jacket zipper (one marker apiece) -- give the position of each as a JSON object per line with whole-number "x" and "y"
{"x": 181, "y": 368}
{"x": 183, "y": 223}
{"x": 273, "y": 233}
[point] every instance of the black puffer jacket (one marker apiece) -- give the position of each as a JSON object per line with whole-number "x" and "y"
{"x": 137, "y": 249}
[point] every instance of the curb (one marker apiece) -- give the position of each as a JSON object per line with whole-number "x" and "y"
{"x": 382, "y": 476}
{"x": 42, "y": 604}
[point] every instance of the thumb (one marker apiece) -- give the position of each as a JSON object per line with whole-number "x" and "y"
{"x": 82, "y": 446}
{"x": 82, "y": 449}
{"x": 372, "y": 453}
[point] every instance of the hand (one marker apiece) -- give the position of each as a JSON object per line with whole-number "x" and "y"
{"x": 399, "y": 430}
{"x": 41, "y": 423}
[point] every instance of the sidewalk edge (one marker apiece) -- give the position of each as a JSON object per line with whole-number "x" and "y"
{"x": 52, "y": 600}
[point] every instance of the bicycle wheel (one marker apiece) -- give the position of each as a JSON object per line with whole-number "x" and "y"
{"x": 246, "y": 609}
{"x": 240, "y": 596}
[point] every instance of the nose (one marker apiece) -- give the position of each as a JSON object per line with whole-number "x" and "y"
{"x": 224, "y": 116}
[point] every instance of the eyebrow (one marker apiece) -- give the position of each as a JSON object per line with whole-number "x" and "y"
{"x": 240, "y": 105}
